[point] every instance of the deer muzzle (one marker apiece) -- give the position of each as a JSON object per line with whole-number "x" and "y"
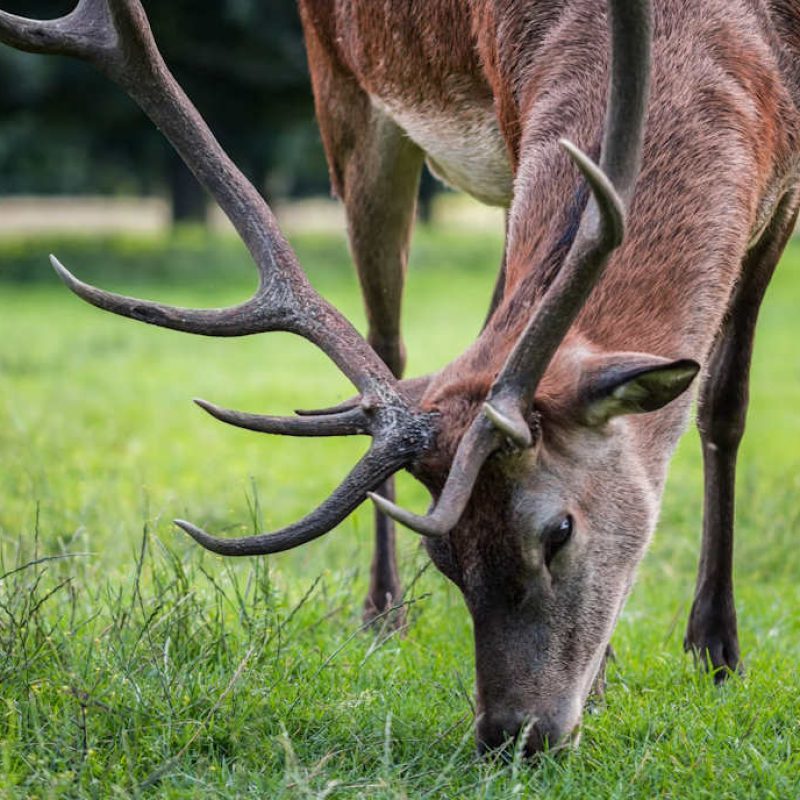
{"x": 507, "y": 731}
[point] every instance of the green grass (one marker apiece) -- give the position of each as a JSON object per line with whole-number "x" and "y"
{"x": 139, "y": 665}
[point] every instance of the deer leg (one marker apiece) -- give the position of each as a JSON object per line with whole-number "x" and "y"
{"x": 381, "y": 181}
{"x": 375, "y": 169}
{"x": 711, "y": 632}
{"x": 380, "y": 191}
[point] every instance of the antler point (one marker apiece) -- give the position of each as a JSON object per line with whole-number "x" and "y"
{"x": 516, "y": 430}
{"x": 199, "y": 535}
{"x": 58, "y": 266}
{"x": 184, "y": 525}
{"x": 379, "y": 501}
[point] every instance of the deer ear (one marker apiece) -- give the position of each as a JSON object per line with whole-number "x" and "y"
{"x": 632, "y": 383}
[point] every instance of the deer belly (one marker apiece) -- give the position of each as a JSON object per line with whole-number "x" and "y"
{"x": 465, "y": 149}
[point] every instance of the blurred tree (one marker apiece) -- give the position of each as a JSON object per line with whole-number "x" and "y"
{"x": 65, "y": 129}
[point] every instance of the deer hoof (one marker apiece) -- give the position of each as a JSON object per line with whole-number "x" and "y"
{"x": 713, "y": 640}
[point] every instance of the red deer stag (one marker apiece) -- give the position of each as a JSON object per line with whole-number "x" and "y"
{"x": 545, "y": 445}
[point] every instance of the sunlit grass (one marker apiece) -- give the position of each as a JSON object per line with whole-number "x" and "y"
{"x": 142, "y": 665}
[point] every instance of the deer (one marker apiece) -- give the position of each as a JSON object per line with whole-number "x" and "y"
{"x": 647, "y": 160}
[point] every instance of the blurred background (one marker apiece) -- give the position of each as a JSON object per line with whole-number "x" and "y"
{"x": 76, "y": 153}
{"x": 67, "y": 131}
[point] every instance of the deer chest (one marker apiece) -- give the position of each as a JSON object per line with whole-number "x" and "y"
{"x": 462, "y": 143}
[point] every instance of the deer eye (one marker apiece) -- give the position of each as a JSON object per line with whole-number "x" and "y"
{"x": 556, "y": 537}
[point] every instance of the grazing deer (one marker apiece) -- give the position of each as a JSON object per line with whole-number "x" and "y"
{"x": 545, "y": 445}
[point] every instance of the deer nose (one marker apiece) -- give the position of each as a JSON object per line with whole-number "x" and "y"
{"x": 501, "y": 732}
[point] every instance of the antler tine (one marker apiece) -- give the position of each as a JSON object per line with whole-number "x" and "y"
{"x": 412, "y": 389}
{"x": 115, "y": 36}
{"x": 477, "y": 444}
{"x": 381, "y": 461}
{"x": 232, "y": 321}
{"x": 352, "y": 422}
{"x": 602, "y": 227}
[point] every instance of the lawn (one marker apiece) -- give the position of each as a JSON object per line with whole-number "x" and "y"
{"x": 132, "y": 663}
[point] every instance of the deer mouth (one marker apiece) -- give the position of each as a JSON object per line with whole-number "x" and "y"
{"x": 512, "y": 734}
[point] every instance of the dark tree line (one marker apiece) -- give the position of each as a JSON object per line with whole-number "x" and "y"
{"x": 66, "y": 129}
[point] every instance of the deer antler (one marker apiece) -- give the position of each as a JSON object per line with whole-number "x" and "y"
{"x": 115, "y": 36}
{"x": 601, "y": 231}
{"x": 477, "y": 444}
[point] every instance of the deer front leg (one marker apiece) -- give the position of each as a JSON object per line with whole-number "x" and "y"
{"x": 712, "y": 633}
{"x": 380, "y": 190}
{"x": 375, "y": 169}
{"x": 381, "y": 180}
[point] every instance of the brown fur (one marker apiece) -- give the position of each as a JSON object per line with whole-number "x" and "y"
{"x": 721, "y": 153}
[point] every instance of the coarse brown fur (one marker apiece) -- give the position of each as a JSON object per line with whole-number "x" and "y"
{"x": 474, "y": 82}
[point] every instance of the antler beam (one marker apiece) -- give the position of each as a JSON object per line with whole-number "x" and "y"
{"x": 602, "y": 227}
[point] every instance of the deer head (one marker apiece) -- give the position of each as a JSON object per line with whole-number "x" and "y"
{"x": 547, "y": 544}
{"x": 542, "y": 505}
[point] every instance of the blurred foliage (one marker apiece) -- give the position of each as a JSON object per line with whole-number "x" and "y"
{"x": 195, "y": 256}
{"x": 178, "y": 257}
{"x": 65, "y": 129}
